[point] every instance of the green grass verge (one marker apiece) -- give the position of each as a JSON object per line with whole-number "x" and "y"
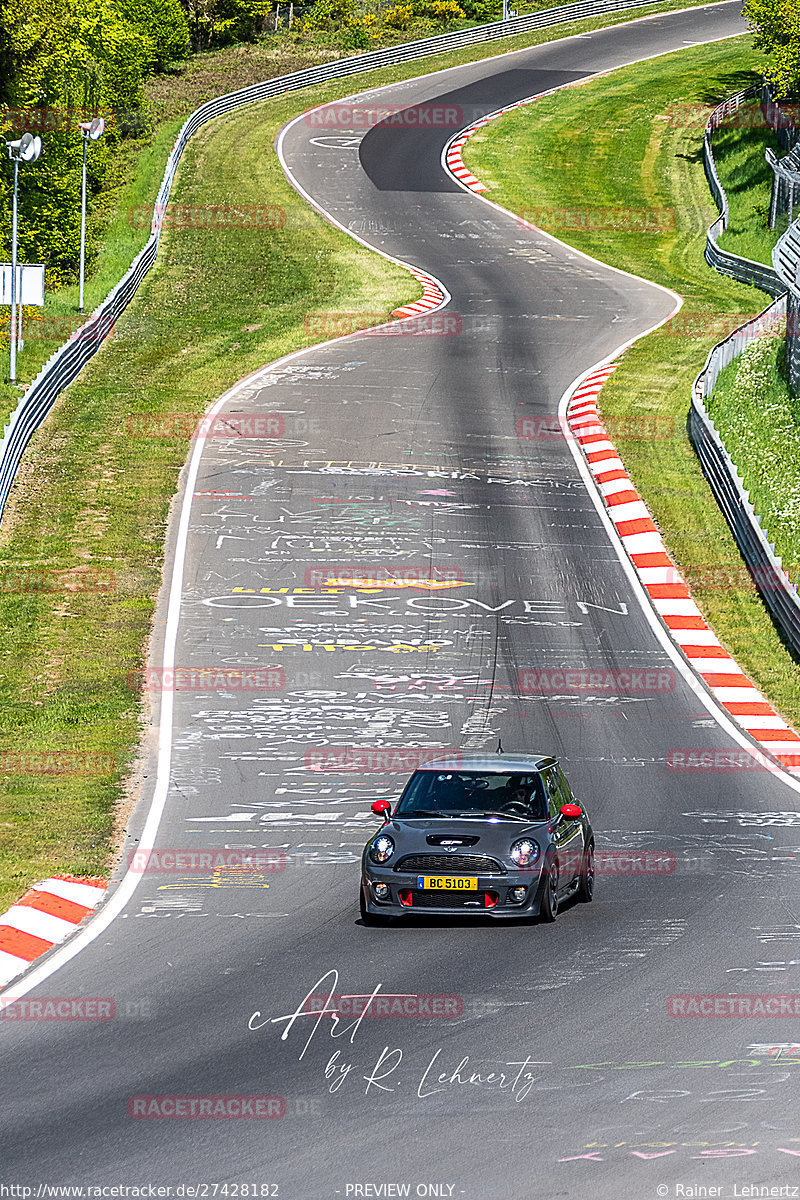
{"x": 170, "y": 99}
{"x": 759, "y": 421}
{"x": 743, "y": 171}
{"x": 91, "y": 498}
{"x": 618, "y": 140}
{"x": 140, "y": 172}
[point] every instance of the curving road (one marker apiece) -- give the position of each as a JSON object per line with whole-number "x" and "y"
{"x": 554, "y": 1068}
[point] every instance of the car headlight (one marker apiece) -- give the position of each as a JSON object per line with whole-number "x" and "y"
{"x": 525, "y": 852}
{"x": 381, "y": 849}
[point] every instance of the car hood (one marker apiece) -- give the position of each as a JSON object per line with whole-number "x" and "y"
{"x": 481, "y": 835}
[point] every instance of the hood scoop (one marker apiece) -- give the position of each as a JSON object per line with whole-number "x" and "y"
{"x": 451, "y": 841}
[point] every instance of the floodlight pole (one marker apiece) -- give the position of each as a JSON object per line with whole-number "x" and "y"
{"x": 13, "y": 356}
{"x": 27, "y": 149}
{"x": 89, "y": 130}
{"x": 84, "y": 139}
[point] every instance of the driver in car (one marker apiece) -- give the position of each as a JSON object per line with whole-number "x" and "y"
{"x": 520, "y": 796}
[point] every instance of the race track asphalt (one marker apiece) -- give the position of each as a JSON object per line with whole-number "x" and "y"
{"x": 557, "y": 1069}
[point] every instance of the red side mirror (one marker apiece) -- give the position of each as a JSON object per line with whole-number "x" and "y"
{"x": 382, "y": 808}
{"x": 571, "y": 811}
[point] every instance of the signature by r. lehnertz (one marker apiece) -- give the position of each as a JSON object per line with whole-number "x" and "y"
{"x": 516, "y": 1078}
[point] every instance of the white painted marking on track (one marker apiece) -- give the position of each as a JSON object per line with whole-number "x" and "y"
{"x": 639, "y": 543}
{"x": 122, "y": 894}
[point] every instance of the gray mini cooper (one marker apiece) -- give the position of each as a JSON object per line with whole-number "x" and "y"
{"x": 497, "y": 835}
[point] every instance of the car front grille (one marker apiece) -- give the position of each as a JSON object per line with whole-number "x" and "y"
{"x": 450, "y": 864}
{"x": 476, "y": 901}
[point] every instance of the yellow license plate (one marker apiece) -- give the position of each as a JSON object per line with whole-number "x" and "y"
{"x": 447, "y": 883}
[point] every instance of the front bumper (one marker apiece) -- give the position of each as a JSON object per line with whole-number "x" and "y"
{"x": 497, "y": 888}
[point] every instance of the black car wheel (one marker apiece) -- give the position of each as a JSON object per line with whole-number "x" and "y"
{"x": 368, "y": 918}
{"x": 586, "y": 884}
{"x": 549, "y": 909}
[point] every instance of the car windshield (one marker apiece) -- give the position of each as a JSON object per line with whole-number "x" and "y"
{"x": 478, "y": 793}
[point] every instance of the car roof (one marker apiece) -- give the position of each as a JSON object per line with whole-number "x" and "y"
{"x": 499, "y": 763}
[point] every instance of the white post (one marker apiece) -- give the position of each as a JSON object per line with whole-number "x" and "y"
{"x": 83, "y": 225}
{"x": 13, "y": 357}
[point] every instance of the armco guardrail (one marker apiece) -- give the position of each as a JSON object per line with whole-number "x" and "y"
{"x": 777, "y": 590}
{"x": 786, "y": 261}
{"x": 69, "y": 360}
{"x": 744, "y": 269}
{"x": 780, "y": 118}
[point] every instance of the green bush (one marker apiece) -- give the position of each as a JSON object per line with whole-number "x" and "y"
{"x": 482, "y": 10}
{"x": 354, "y": 37}
{"x": 223, "y": 22}
{"x": 327, "y": 15}
{"x": 163, "y": 26}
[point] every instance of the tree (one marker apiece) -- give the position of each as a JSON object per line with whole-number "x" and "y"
{"x": 63, "y": 61}
{"x": 163, "y": 24}
{"x": 222, "y": 22}
{"x": 776, "y": 24}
